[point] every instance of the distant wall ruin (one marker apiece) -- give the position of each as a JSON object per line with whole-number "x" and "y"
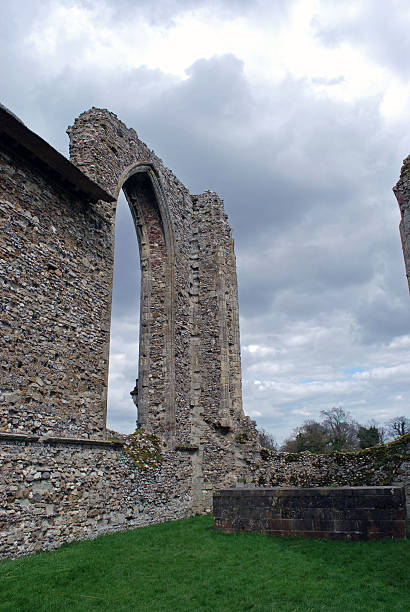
{"x": 402, "y": 193}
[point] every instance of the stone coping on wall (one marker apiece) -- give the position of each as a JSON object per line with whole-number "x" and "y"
{"x": 23, "y": 437}
{"x": 39, "y": 149}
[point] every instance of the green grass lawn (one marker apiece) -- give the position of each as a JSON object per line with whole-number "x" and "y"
{"x": 185, "y": 565}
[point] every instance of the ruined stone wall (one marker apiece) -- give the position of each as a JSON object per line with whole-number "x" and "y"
{"x": 54, "y": 491}
{"x": 56, "y": 269}
{"x": 190, "y": 387}
{"x": 377, "y": 466}
{"x": 112, "y": 155}
{"x": 402, "y": 193}
{"x": 217, "y": 312}
{"x": 58, "y": 253}
{"x": 60, "y": 479}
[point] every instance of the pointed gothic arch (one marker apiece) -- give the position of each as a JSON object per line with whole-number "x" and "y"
{"x": 156, "y": 240}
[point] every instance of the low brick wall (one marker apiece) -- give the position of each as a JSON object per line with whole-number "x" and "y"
{"x": 352, "y": 513}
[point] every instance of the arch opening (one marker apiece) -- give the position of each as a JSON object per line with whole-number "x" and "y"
{"x": 124, "y": 335}
{"x": 152, "y": 374}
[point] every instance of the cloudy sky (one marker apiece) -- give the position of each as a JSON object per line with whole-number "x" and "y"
{"x": 297, "y": 113}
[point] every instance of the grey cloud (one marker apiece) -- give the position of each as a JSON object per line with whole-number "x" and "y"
{"x": 127, "y": 273}
{"x": 162, "y": 14}
{"x": 383, "y": 316}
{"x": 328, "y": 81}
{"x": 342, "y": 160}
{"x": 381, "y": 29}
{"x": 274, "y": 160}
{"x": 122, "y": 418}
{"x": 166, "y": 11}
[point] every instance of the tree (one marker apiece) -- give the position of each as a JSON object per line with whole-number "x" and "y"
{"x": 311, "y": 436}
{"x": 341, "y": 428}
{"x": 398, "y": 426}
{"x": 369, "y": 436}
{"x": 266, "y": 439}
{"x": 336, "y": 432}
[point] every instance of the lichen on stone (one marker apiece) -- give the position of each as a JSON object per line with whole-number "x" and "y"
{"x": 144, "y": 449}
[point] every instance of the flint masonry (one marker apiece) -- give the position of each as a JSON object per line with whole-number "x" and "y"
{"x": 57, "y": 267}
{"x": 57, "y": 248}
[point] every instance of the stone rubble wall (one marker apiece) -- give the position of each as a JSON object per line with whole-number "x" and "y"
{"x": 56, "y": 269}
{"x": 154, "y": 372}
{"x": 107, "y": 151}
{"x": 206, "y": 406}
{"x": 217, "y": 312}
{"x": 56, "y": 261}
{"x": 56, "y": 491}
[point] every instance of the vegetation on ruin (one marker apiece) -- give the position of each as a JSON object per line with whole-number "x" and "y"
{"x": 144, "y": 449}
{"x": 377, "y": 465}
{"x": 242, "y": 438}
{"x": 396, "y": 451}
{"x": 185, "y": 565}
